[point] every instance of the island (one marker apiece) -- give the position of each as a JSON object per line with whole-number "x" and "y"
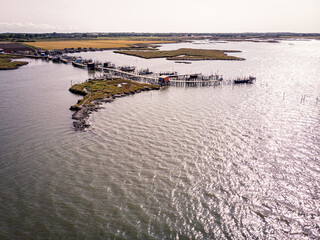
{"x": 189, "y": 54}
{"x": 96, "y": 92}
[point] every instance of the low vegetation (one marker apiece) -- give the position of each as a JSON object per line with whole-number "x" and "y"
{"x": 6, "y": 62}
{"x": 184, "y": 54}
{"x": 99, "y": 89}
{"x": 102, "y": 44}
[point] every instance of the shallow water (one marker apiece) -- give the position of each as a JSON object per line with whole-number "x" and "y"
{"x": 230, "y": 162}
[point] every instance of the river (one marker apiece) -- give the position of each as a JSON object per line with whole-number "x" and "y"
{"x": 227, "y": 162}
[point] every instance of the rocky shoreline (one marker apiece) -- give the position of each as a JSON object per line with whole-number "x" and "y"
{"x": 83, "y": 112}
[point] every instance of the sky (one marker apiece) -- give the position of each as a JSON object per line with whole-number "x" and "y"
{"x": 193, "y": 16}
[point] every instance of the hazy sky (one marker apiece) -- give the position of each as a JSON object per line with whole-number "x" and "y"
{"x": 160, "y": 16}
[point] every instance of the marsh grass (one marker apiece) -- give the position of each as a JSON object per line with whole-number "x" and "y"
{"x": 6, "y": 62}
{"x": 184, "y": 54}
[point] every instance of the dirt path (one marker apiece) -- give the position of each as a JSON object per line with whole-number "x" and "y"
{"x": 84, "y": 102}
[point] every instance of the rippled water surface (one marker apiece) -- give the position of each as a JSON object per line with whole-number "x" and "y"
{"x": 228, "y": 162}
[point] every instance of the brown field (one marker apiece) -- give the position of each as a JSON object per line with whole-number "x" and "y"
{"x": 105, "y": 44}
{"x": 13, "y": 46}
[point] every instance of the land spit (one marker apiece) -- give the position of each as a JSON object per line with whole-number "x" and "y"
{"x": 97, "y": 92}
{"x": 7, "y": 63}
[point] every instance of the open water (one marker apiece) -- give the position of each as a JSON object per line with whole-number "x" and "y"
{"x": 230, "y": 162}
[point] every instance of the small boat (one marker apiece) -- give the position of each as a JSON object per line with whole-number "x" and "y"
{"x": 168, "y": 73}
{"x": 248, "y": 80}
{"x": 145, "y": 72}
{"x": 185, "y": 62}
{"x": 66, "y": 59}
{"x": 127, "y": 68}
{"x": 196, "y": 77}
{"x": 109, "y": 65}
{"x": 56, "y": 59}
{"x": 63, "y": 60}
{"x": 78, "y": 63}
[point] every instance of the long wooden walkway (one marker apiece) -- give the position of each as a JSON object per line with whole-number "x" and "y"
{"x": 130, "y": 76}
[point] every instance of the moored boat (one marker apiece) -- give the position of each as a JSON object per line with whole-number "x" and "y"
{"x": 168, "y": 73}
{"x": 56, "y": 59}
{"x": 108, "y": 65}
{"x": 248, "y": 80}
{"x": 63, "y": 60}
{"x": 127, "y": 68}
{"x": 145, "y": 72}
{"x": 78, "y": 63}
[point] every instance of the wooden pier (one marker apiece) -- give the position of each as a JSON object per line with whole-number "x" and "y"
{"x": 130, "y": 76}
{"x": 170, "y": 80}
